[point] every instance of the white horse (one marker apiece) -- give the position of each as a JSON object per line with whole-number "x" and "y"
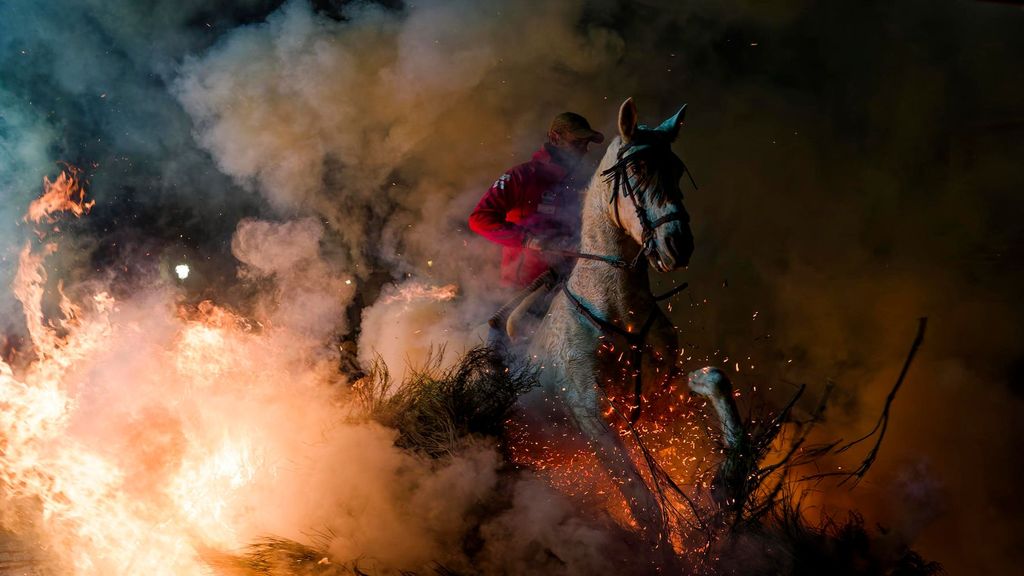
{"x": 604, "y": 315}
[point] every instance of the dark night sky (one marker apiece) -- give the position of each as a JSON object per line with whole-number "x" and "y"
{"x": 858, "y": 162}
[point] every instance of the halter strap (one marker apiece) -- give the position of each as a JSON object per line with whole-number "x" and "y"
{"x": 635, "y": 340}
{"x": 619, "y": 178}
{"x": 674, "y": 216}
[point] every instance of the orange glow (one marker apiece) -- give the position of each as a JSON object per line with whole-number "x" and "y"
{"x": 65, "y": 194}
{"x": 153, "y": 472}
{"x": 141, "y": 433}
{"x": 415, "y": 291}
{"x": 674, "y": 429}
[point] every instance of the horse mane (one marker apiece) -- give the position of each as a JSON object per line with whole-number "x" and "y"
{"x": 648, "y": 148}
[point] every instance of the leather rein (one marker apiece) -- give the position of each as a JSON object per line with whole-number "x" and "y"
{"x": 623, "y": 184}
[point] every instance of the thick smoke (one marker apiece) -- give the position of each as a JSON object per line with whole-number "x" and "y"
{"x": 307, "y": 296}
{"x": 24, "y": 155}
{"x": 87, "y": 83}
{"x": 857, "y": 167}
{"x": 378, "y": 120}
{"x": 151, "y": 429}
{"x": 386, "y": 124}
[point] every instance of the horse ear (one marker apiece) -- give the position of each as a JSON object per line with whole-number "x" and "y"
{"x": 627, "y": 119}
{"x": 671, "y": 126}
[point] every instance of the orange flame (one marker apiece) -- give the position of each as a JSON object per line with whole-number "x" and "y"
{"x": 197, "y": 455}
{"x": 82, "y": 501}
{"x": 415, "y": 291}
{"x": 63, "y": 194}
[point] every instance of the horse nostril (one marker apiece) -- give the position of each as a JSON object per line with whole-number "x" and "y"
{"x": 672, "y": 250}
{"x": 678, "y": 250}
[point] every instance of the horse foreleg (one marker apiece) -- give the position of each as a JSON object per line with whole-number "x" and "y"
{"x": 729, "y": 486}
{"x": 583, "y": 402}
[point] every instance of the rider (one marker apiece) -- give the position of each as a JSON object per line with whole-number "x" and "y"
{"x": 536, "y": 205}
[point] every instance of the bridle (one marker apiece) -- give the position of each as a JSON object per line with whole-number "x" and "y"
{"x": 623, "y": 184}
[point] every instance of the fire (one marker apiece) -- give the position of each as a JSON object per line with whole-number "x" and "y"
{"x": 144, "y": 431}
{"x": 135, "y": 438}
{"x": 202, "y": 490}
{"x": 674, "y": 429}
{"x": 76, "y": 493}
{"x": 415, "y": 291}
{"x": 65, "y": 194}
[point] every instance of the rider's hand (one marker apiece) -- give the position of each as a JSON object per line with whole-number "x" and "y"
{"x": 531, "y": 242}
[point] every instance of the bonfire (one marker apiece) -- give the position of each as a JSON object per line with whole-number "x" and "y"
{"x": 165, "y": 439}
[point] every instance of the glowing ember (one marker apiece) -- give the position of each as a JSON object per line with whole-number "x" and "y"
{"x": 142, "y": 433}
{"x": 413, "y": 291}
{"x": 62, "y": 195}
{"x": 131, "y": 443}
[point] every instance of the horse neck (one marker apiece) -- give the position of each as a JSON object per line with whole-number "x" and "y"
{"x": 619, "y": 295}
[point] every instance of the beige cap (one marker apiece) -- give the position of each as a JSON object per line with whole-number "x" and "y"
{"x": 576, "y": 125}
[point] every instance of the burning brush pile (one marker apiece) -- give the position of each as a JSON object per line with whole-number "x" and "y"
{"x": 149, "y": 435}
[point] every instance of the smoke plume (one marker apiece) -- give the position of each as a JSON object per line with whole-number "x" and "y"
{"x": 857, "y": 169}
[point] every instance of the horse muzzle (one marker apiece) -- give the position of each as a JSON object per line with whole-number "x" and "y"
{"x": 673, "y": 246}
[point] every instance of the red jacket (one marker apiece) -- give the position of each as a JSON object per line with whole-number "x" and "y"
{"x": 538, "y": 198}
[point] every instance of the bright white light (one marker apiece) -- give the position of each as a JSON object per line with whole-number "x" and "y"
{"x": 182, "y": 271}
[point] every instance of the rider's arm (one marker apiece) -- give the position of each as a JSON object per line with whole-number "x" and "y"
{"x": 489, "y": 219}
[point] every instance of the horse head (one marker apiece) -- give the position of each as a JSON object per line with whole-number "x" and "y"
{"x": 645, "y": 199}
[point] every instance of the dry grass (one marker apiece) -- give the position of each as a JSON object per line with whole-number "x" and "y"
{"x": 278, "y": 557}
{"x": 437, "y": 410}
{"x": 281, "y": 557}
